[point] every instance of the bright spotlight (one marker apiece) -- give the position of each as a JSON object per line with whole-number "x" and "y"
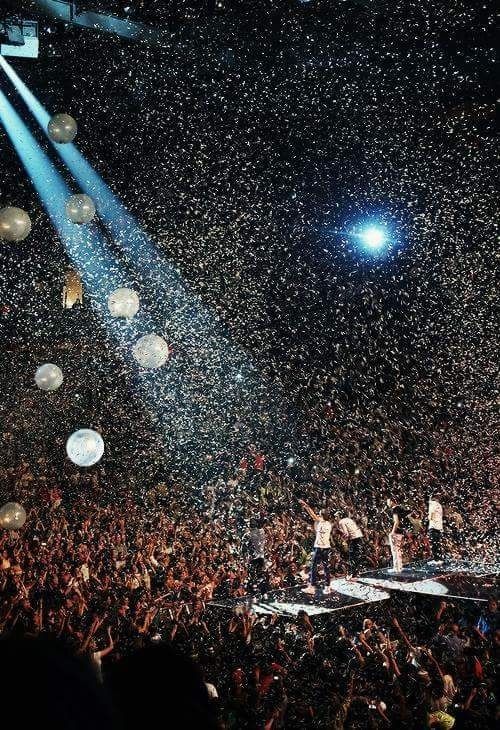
{"x": 373, "y": 237}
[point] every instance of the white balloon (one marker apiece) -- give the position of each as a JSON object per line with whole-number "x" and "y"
{"x": 85, "y": 447}
{"x": 15, "y": 224}
{"x": 62, "y": 128}
{"x": 49, "y": 376}
{"x": 12, "y": 516}
{"x": 123, "y": 302}
{"x": 151, "y": 351}
{"x": 80, "y": 208}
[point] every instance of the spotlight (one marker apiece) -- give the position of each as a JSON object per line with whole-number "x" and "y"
{"x": 373, "y": 237}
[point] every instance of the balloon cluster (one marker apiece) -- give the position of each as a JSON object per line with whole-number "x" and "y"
{"x": 84, "y": 447}
{"x": 150, "y": 351}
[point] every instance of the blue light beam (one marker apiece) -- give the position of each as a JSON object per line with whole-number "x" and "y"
{"x": 188, "y": 320}
{"x": 90, "y": 255}
{"x": 97, "y": 271}
{"x": 202, "y": 382}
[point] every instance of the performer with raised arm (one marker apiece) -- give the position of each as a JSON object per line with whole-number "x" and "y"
{"x": 321, "y": 553}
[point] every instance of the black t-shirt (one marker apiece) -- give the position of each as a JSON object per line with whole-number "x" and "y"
{"x": 402, "y": 513}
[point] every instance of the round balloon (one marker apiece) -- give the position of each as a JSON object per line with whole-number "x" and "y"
{"x": 80, "y": 208}
{"x": 49, "y": 376}
{"x": 62, "y": 128}
{"x": 12, "y": 516}
{"x": 123, "y": 302}
{"x": 15, "y": 224}
{"x": 85, "y": 447}
{"x": 151, "y": 351}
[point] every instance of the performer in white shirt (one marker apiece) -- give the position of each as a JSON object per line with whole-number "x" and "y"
{"x": 353, "y": 535}
{"x": 321, "y": 553}
{"x": 435, "y": 518}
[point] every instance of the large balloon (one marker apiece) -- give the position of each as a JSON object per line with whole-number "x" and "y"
{"x": 12, "y": 516}
{"x": 48, "y": 376}
{"x": 62, "y": 128}
{"x": 80, "y": 208}
{"x": 151, "y": 351}
{"x": 85, "y": 447}
{"x": 123, "y": 302}
{"x": 15, "y": 224}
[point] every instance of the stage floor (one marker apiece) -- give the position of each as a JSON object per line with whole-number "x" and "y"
{"x": 289, "y": 601}
{"x": 454, "y": 579}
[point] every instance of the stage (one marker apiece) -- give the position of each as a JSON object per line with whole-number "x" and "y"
{"x": 454, "y": 579}
{"x": 289, "y": 601}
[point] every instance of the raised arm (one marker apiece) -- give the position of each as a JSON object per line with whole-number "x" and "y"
{"x": 440, "y": 611}
{"x": 345, "y": 635}
{"x": 312, "y": 514}
{"x": 95, "y": 625}
{"x": 393, "y": 662}
{"x": 470, "y": 698}
{"x": 400, "y": 631}
{"x": 109, "y": 648}
{"x": 435, "y": 662}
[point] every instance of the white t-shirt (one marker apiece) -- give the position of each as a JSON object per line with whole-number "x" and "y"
{"x": 257, "y": 542}
{"x": 323, "y": 531}
{"x": 349, "y": 529}
{"x": 212, "y": 691}
{"x": 435, "y": 515}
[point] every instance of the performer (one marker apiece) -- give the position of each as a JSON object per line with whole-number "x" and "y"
{"x": 396, "y": 536}
{"x": 435, "y": 518}
{"x": 257, "y": 547}
{"x": 321, "y": 553}
{"x": 353, "y": 535}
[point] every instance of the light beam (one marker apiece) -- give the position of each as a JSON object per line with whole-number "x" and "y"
{"x": 211, "y": 361}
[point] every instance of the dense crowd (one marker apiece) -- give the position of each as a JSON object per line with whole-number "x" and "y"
{"x": 417, "y": 663}
{"x": 111, "y": 575}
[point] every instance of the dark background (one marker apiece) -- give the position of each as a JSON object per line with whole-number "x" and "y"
{"x": 248, "y": 147}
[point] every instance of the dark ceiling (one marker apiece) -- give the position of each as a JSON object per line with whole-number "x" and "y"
{"x": 249, "y": 146}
